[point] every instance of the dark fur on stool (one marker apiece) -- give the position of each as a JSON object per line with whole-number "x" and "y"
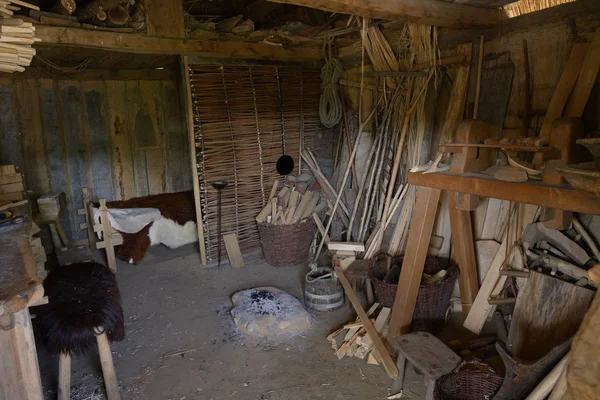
{"x": 81, "y": 296}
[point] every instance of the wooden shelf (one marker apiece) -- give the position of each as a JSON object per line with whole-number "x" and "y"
{"x": 144, "y": 44}
{"x": 559, "y": 197}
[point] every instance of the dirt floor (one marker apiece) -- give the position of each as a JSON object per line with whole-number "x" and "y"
{"x": 182, "y": 344}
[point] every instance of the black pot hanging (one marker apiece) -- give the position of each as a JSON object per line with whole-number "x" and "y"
{"x": 285, "y": 163}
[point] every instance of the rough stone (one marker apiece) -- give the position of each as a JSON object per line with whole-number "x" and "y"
{"x": 268, "y": 311}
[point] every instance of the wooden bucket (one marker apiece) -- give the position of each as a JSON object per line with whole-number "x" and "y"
{"x": 323, "y": 291}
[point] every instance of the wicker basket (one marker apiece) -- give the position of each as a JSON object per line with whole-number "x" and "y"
{"x": 286, "y": 245}
{"x": 471, "y": 380}
{"x": 433, "y": 299}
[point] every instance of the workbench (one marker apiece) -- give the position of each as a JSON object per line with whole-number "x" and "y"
{"x": 20, "y": 288}
{"x": 430, "y": 186}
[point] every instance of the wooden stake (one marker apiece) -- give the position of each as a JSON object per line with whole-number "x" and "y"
{"x": 108, "y": 367}
{"x": 64, "y": 376}
{"x": 479, "y": 69}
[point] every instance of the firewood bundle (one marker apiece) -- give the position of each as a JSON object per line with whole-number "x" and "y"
{"x": 105, "y": 13}
{"x": 352, "y": 338}
{"x": 16, "y": 38}
{"x": 11, "y": 184}
{"x": 288, "y": 206}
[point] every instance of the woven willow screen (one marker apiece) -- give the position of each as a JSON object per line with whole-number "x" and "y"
{"x": 245, "y": 118}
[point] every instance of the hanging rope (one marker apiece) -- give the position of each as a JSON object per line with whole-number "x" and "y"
{"x": 330, "y": 104}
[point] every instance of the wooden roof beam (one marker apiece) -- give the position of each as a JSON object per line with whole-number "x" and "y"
{"x": 143, "y": 44}
{"x": 430, "y": 12}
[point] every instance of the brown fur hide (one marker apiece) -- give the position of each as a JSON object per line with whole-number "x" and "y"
{"x": 179, "y": 207}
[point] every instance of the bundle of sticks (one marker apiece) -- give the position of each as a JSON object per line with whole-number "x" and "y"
{"x": 352, "y": 338}
{"x": 288, "y": 206}
{"x": 16, "y": 37}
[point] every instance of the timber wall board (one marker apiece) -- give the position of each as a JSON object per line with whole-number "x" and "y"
{"x": 121, "y": 139}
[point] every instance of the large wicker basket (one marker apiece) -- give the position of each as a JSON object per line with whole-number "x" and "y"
{"x": 433, "y": 299}
{"x": 471, "y": 380}
{"x": 286, "y": 245}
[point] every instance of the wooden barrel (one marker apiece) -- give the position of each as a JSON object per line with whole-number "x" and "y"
{"x": 323, "y": 291}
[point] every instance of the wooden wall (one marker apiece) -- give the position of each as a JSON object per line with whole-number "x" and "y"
{"x": 121, "y": 139}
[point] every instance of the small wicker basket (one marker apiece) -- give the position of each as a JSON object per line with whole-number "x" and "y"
{"x": 433, "y": 299}
{"x": 471, "y": 380}
{"x": 286, "y": 245}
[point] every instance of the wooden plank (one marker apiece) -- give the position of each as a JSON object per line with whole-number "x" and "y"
{"x": 429, "y": 12}
{"x": 164, "y": 18}
{"x": 189, "y": 113}
{"x": 458, "y": 98}
{"x": 233, "y": 250}
{"x": 586, "y": 81}
{"x": 138, "y": 122}
{"x": 346, "y": 246}
{"x": 485, "y": 252}
{"x": 143, "y": 44}
{"x": 120, "y": 139}
{"x": 548, "y": 312}
{"x": 388, "y": 363}
{"x": 481, "y": 308}
{"x": 560, "y": 197}
{"x": 10, "y": 151}
{"x": 70, "y": 105}
{"x": 31, "y": 137}
{"x": 107, "y": 236}
{"x": 414, "y": 261}
{"x": 12, "y": 178}
{"x": 98, "y": 138}
{"x": 151, "y": 124}
{"x": 54, "y": 139}
{"x": 564, "y": 87}
{"x": 176, "y": 152}
{"x": 12, "y": 187}
{"x": 464, "y": 251}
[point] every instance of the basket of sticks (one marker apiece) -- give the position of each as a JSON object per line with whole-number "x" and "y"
{"x": 435, "y": 290}
{"x": 471, "y": 380}
{"x": 286, "y": 227}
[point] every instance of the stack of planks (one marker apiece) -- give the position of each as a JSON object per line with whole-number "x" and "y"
{"x": 288, "y": 206}
{"x": 11, "y": 184}
{"x": 16, "y": 38}
{"x": 352, "y": 338}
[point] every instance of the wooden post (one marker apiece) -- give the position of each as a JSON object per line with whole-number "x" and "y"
{"x": 64, "y": 376}
{"x": 107, "y": 236}
{"x": 414, "y": 261}
{"x": 19, "y": 370}
{"x": 464, "y": 250}
{"x": 108, "y": 367}
{"x": 196, "y": 184}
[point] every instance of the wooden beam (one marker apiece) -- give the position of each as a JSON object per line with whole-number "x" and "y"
{"x": 417, "y": 245}
{"x": 428, "y": 12}
{"x": 143, "y": 44}
{"x": 386, "y": 360}
{"x": 449, "y": 38}
{"x": 464, "y": 251}
{"x": 559, "y": 197}
{"x": 185, "y": 76}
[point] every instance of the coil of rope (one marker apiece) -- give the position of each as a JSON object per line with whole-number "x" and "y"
{"x": 330, "y": 104}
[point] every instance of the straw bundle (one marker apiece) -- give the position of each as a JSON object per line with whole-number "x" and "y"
{"x": 529, "y": 6}
{"x": 16, "y": 38}
{"x": 244, "y": 118}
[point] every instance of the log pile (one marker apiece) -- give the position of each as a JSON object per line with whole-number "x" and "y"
{"x": 16, "y": 38}
{"x": 11, "y": 184}
{"x": 352, "y": 339}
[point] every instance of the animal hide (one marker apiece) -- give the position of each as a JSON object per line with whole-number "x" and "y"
{"x": 81, "y": 297}
{"x": 176, "y": 227}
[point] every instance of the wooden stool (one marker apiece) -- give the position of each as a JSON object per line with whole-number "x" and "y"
{"x": 108, "y": 370}
{"x": 428, "y": 355}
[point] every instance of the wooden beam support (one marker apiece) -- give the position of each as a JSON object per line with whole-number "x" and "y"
{"x": 143, "y": 44}
{"x": 428, "y": 12}
{"x": 560, "y": 197}
{"x": 386, "y": 360}
{"x": 464, "y": 251}
{"x": 422, "y": 221}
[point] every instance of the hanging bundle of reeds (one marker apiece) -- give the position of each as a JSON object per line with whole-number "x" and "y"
{"x": 528, "y": 6}
{"x": 245, "y": 118}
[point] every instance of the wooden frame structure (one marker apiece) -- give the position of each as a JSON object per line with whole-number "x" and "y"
{"x": 429, "y": 192}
